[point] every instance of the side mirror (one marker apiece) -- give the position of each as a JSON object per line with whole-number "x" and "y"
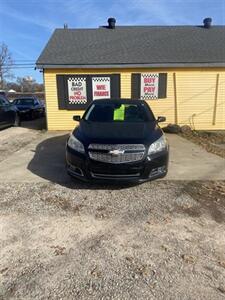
{"x": 77, "y": 118}
{"x": 161, "y": 119}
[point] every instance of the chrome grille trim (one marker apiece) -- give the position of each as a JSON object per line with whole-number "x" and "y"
{"x": 99, "y": 175}
{"x": 116, "y": 153}
{"x": 136, "y": 147}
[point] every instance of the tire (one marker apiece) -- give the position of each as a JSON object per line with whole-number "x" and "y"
{"x": 17, "y": 121}
{"x": 41, "y": 114}
{"x": 32, "y": 115}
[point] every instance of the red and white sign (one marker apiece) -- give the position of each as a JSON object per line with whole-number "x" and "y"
{"x": 77, "y": 90}
{"x": 149, "y": 86}
{"x": 101, "y": 87}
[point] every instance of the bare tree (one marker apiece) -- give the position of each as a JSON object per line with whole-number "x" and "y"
{"x": 28, "y": 84}
{"x": 6, "y": 63}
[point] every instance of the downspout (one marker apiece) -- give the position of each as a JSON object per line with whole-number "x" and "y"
{"x": 216, "y": 99}
{"x": 175, "y": 99}
{"x": 46, "y": 111}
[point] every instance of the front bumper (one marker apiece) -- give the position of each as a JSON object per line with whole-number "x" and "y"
{"x": 29, "y": 112}
{"x": 82, "y": 167}
{"x": 25, "y": 113}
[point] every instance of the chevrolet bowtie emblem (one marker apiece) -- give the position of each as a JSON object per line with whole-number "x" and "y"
{"x": 116, "y": 152}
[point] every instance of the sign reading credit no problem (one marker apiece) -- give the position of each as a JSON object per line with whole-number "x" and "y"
{"x": 77, "y": 90}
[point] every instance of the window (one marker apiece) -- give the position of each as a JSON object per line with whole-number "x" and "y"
{"x": 76, "y": 92}
{"x": 148, "y": 86}
{"x": 113, "y": 112}
{"x": 28, "y": 101}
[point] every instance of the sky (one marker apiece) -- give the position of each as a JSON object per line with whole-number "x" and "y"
{"x": 26, "y": 25}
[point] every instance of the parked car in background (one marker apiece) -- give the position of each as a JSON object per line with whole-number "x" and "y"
{"x": 9, "y": 115}
{"x": 29, "y": 107}
{"x": 117, "y": 140}
{"x": 2, "y": 93}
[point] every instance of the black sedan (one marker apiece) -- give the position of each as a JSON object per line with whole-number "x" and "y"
{"x": 29, "y": 107}
{"x": 9, "y": 115}
{"x": 117, "y": 140}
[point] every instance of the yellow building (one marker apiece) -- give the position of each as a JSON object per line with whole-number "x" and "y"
{"x": 178, "y": 70}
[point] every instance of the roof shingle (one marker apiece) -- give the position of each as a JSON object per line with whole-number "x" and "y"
{"x": 135, "y": 46}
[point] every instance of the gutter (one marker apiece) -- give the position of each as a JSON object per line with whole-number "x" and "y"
{"x": 119, "y": 66}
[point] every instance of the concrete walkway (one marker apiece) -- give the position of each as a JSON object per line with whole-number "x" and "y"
{"x": 189, "y": 161}
{"x": 43, "y": 159}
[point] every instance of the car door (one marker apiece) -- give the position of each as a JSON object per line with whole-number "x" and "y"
{"x": 38, "y": 106}
{"x": 2, "y": 113}
{"x": 7, "y": 114}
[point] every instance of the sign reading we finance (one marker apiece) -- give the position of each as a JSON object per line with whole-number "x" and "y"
{"x": 149, "y": 86}
{"x": 77, "y": 90}
{"x": 100, "y": 87}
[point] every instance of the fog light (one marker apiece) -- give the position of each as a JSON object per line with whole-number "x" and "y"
{"x": 162, "y": 169}
{"x": 157, "y": 171}
{"x": 75, "y": 170}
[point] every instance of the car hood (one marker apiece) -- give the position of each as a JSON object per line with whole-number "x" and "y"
{"x": 94, "y": 132}
{"x": 23, "y": 107}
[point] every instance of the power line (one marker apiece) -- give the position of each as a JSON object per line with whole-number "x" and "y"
{"x": 24, "y": 60}
{"x": 20, "y": 64}
{"x": 17, "y": 67}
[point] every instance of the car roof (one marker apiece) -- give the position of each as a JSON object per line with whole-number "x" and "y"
{"x": 120, "y": 101}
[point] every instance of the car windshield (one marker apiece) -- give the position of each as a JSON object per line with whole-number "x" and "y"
{"x": 24, "y": 101}
{"x": 114, "y": 112}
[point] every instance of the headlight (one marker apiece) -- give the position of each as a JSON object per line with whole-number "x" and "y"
{"x": 158, "y": 146}
{"x": 75, "y": 144}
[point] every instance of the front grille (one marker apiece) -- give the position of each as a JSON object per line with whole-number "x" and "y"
{"x": 116, "y": 154}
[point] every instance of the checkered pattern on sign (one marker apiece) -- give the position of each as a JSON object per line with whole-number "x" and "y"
{"x": 150, "y": 75}
{"x": 149, "y": 97}
{"x": 83, "y": 81}
{"x": 84, "y": 101}
{"x": 101, "y": 79}
{"x": 77, "y": 79}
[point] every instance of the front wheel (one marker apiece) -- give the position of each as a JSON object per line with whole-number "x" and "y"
{"x": 32, "y": 115}
{"x": 17, "y": 120}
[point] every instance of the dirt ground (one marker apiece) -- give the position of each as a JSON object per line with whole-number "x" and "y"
{"x": 160, "y": 240}
{"x": 11, "y": 142}
{"x": 68, "y": 240}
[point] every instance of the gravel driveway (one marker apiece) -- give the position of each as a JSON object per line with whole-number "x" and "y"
{"x": 68, "y": 240}
{"x": 159, "y": 240}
